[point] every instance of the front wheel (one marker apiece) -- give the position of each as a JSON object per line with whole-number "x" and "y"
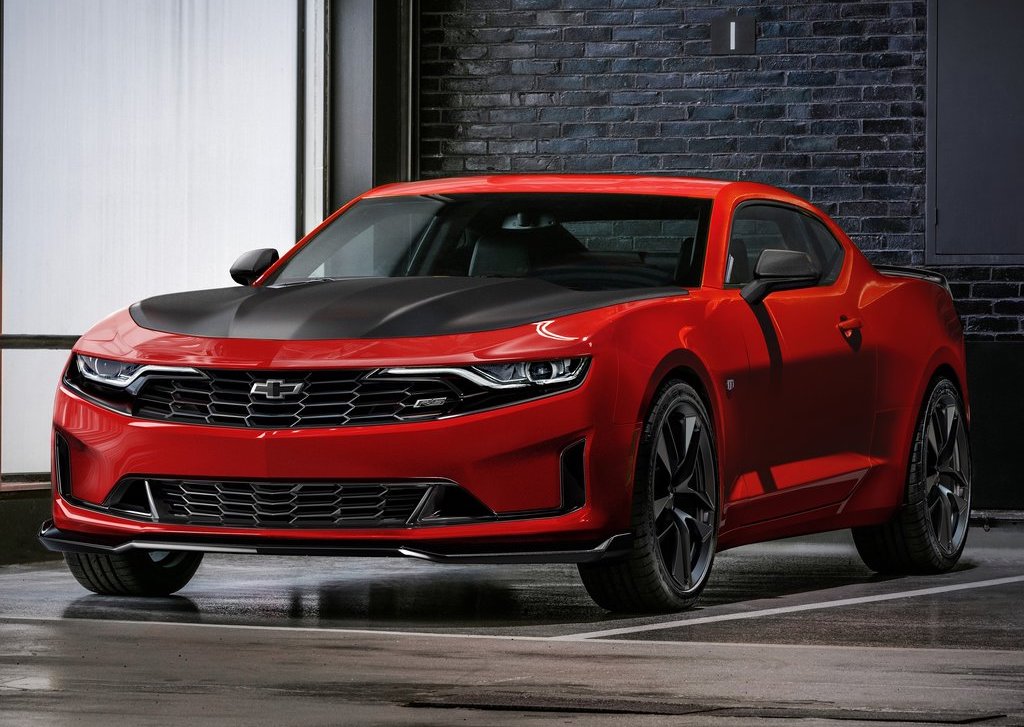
{"x": 929, "y": 532}
{"x": 675, "y": 512}
{"x": 136, "y": 573}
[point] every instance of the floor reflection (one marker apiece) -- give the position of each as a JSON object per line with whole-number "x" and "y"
{"x": 440, "y": 601}
{"x": 171, "y": 608}
{"x": 416, "y": 596}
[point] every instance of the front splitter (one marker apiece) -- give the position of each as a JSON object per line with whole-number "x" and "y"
{"x": 614, "y": 547}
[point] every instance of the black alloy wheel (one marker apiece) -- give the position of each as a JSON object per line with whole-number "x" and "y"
{"x": 947, "y": 472}
{"x": 675, "y": 512}
{"x": 684, "y": 510}
{"x": 928, "y": 534}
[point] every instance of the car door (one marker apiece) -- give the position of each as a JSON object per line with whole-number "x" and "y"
{"x": 809, "y": 404}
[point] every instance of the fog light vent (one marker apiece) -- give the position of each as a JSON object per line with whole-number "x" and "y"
{"x": 574, "y": 488}
{"x": 61, "y": 465}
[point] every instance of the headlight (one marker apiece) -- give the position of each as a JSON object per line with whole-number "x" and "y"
{"x": 512, "y": 375}
{"x": 524, "y": 373}
{"x": 114, "y": 384}
{"x": 487, "y": 386}
{"x": 105, "y": 371}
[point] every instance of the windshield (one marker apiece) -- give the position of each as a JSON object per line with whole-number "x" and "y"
{"x": 580, "y": 241}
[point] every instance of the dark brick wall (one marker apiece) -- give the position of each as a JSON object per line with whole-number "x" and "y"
{"x": 832, "y": 107}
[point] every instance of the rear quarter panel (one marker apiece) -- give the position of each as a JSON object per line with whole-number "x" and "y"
{"x": 917, "y": 333}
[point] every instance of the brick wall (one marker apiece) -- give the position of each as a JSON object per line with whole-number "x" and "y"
{"x": 832, "y": 107}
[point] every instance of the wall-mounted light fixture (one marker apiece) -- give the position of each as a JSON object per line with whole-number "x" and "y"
{"x": 733, "y": 35}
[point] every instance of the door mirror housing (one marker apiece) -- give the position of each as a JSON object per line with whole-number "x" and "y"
{"x": 780, "y": 270}
{"x": 248, "y": 268}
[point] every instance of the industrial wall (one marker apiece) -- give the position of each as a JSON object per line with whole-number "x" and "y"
{"x": 832, "y": 106}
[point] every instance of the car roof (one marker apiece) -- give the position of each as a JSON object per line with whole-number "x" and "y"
{"x": 583, "y": 183}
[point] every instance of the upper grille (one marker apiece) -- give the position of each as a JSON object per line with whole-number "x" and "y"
{"x": 284, "y": 504}
{"x": 328, "y": 398}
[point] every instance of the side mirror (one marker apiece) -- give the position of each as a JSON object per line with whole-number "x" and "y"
{"x": 247, "y": 269}
{"x": 779, "y": 270}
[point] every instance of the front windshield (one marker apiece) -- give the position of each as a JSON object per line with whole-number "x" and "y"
{"x": 580, "y": 241}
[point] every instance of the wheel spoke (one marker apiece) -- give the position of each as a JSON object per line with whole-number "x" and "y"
{"x": 944, "y": 532}
{"x": 701, "y": 497}
{"x": 682, "y": 566}
{"x": 956, "y": 475}
{"x": 672, "y": 439}
{"x": 960, "y": 503}
{"x": 932, "y": 435}
{"x": 668, "y": 529}
{"x": 660, "y": 503}
{"x": 661, "y": 449}
{"x": 705, "y": 530}
{"x": 945, "y": 454}
{"x": 693, "y": 436}
{"x": 691, "y": 429}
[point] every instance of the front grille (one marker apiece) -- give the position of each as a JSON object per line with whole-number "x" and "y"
{"x": 277, "y": 504}
{"x": 286, "y": 399}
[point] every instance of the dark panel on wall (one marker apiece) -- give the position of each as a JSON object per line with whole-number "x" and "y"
{"x": 394, "y": 76}
{"x": 350, "y": 155}
{"x": 372, "y": 83}
{"x": 997, "y": 423}
{"x": 976, "y": 112}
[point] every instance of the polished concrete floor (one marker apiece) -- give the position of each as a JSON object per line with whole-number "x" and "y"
{"x": 787, "y": 631}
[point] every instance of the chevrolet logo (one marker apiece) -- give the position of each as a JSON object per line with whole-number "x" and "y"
{"x": 276, "y": 388}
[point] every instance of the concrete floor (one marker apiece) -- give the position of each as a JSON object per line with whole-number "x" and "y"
{"x": 794, "y": 630}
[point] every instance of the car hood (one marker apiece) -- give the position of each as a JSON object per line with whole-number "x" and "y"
{"x": 360, "y": 308}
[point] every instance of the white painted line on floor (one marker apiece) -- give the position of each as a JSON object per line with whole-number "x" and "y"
{"x": 788, "y": 609}
{"x": 625, "y": 643}
{"x": 1013, "y": 654}
{"x": 588, "y": 637}
{"x": 280, "y": 629}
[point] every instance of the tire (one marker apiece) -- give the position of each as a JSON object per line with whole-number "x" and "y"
{"x": 928, "y": 534}
{"x": 671, "y": 513}
{"x": 137, "y": 573}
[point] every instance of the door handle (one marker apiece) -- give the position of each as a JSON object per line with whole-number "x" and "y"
{"x": 847, "y": 326}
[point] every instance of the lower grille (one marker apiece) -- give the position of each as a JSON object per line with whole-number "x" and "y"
{"x": 243, "y": 504}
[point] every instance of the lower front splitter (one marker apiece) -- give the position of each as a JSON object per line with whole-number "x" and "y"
{"x": 532, "y": 552}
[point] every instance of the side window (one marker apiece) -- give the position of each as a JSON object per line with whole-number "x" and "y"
{"x": 759, "y": 227}
{"x": 829, "y": 250}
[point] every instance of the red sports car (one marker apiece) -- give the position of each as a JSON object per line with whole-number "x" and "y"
{"x": 628, "y": 373}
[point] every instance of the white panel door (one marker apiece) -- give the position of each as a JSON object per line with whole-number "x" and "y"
{"x": 146, "y": 143}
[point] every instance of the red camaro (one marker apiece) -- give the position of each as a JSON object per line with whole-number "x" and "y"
{"x": 627, "y": 373}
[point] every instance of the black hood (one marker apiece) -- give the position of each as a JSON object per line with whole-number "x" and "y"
{"x": 373, "y": 307}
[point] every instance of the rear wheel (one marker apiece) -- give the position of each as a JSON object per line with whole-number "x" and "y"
{"x": 929, "y": 532}
{"x": 136, "y": 573}
{"x": 675, "y": 512}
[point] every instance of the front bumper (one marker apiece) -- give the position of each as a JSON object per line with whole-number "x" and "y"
{"x": 508, "y": 459}
{"x": 538, "y": 552}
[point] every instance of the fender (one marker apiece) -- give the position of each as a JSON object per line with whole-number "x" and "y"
{"x": 679, "y": 359}
{"x": 688, "y": 360}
